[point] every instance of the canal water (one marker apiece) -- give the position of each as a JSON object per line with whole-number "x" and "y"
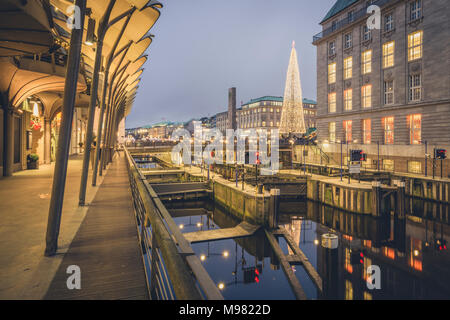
{"x": 411, "y": 253}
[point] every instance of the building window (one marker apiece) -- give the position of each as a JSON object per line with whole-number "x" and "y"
{"x": 348, "y": 41}
{"x": 348, "y": 290}
{"x": 333, "y": 26}
{"x": 388, "y": 92}
{"x": 388, "y": 124}
{"x": 416, "y": 10}
{"x": 332, "y": 102}
{"x": 388, "y": 165}
{"x": 388, "y": 22}
{"x": 415, "y": 128}
{"x": 348, "y": 68}
{"x": 350, "y": 17}
{"x": 348, "y": 99}
{"x": 415, "y": 87}
{"x": 348, "y": 124}
{"x": 332, "y": 131}
{"x": 415, "y": 42}
{"x": 367, "y": 131}
{"x": 366, "y": 96}
{"x": 388, "y": 54}
{"x": 332, "y": 73}
{"x": 366, "y": 62}
{"x": 414, "y": 167}
{"x": 367, "y": 34}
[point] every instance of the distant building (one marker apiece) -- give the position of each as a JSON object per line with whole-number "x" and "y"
{"x": 388, "y": 87}
{"x": 222, "y": 121}
{"x": 265, "y": 112}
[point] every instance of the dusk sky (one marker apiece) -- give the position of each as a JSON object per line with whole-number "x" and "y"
{"x": 203, "y": 47}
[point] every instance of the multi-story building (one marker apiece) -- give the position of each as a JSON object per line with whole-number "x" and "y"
{"x": 265, "y": 112}
{"x": 387, "y": 90}
{"x": 222, "y": 121}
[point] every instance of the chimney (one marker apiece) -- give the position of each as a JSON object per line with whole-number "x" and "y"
{"x": 232, "y": 109}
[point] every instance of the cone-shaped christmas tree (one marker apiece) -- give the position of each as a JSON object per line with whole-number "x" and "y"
{"x": 292, "y": 118}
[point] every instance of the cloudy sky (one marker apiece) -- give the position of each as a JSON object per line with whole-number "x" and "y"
{"x": 203, "y": 47}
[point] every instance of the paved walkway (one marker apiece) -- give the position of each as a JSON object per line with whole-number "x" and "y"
{"x": 25, "y": 273}
{"x": 106, "y": 247}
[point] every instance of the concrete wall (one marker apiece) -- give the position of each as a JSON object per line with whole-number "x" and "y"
{"x": 248, "y": 207}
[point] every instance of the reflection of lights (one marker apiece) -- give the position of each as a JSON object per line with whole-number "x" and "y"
{"x": 416, "y": 253}
{"x": 199, "y": 224}
{"x": 181, "y": 226}
{"x": 221, "y": 286}
{"x": 316, "y": 242}
{"x": 226, "y": 254}
{"x": 202, "y": 257}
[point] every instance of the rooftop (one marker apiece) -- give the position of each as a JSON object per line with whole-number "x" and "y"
{"x": 276, "y": 99}
{"x": 339, "y": 6}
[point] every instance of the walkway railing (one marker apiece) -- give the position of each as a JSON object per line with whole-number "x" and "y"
{"x": 173, "y": 270}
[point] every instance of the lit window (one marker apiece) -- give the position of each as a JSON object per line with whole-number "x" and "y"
{"x": 332, "y": 131}
{"x": 348, "y": 41}
{"x": 415, "y": 128}
{"x": 332, "y": 102}
{"x": 367, "y": 131}
{"x": 347, "y": 263}
{"x": 348, "y": 99}
{"x": 415, "y": 42}
{"x": 415, "y": 87}
{"x": 389, "y": 22}
{"x": 416, "y": 10}
{"x": 388, "y": 165}
{"x": 366, "y": 95}
{"x": 367, "y": 62}
{"x": 388, "y": 54}
{"x": 388, "y": 124}
{"x": 415, "y": 167}
{"x": 348, "y": 290}
{"x": 348, "y": 124}
{"x": 348, "y": 68}
{"x": 367, "y": 296}
{"x": 332, "y": 73}
{"x": 388, "y": 92}
{"x": 263, "y": 123}
{"x": 367, "y": 264}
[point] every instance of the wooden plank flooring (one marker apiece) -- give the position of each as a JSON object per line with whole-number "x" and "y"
{"x": 242, "y": 230}
{"x": 106, "y": 247}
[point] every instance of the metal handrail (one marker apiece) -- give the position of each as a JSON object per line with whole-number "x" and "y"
{"x": 346, "y": 21}
{"x": 173, "y": 271}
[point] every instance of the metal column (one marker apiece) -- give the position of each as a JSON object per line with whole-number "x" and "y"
{"x": 62, "y": 155}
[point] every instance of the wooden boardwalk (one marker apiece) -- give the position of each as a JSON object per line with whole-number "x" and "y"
{"x": 240, "y": 231}
{"x": 106, "y": 247}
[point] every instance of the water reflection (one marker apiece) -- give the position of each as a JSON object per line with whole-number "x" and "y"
{"x": 410, "y": 252}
